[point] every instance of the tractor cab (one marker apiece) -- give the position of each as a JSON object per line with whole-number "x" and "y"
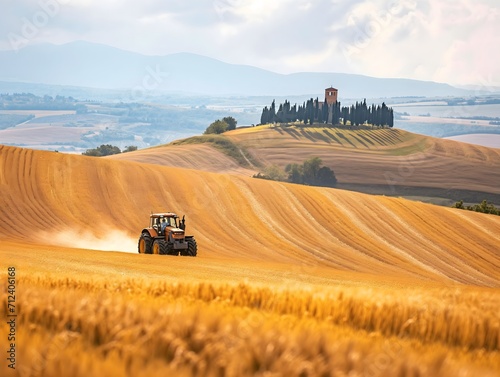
{"x": 163, "y": 223}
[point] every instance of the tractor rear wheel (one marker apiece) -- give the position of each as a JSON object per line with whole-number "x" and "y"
{"x": 145, "y": 244}
{"x": 192, "y": 249}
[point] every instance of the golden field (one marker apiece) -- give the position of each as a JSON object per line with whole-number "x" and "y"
{"x": 289, "y": 281}
{"x": 381, "y": 158}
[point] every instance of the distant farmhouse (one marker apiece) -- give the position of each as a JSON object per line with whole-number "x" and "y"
{"x": 331, "y": 95}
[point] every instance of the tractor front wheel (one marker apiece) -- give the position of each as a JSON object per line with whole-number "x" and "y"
{"x": 160, "y": 247}
{"x": 170, "y": 249}
{"x": 192, "y": 249}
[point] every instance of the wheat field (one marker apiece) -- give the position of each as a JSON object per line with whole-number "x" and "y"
{"x": 370, "y": 157}
{"x": 290, "y": 280}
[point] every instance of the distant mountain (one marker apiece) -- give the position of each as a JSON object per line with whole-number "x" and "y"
{"x": 84, "y": 64}
{"x": 481, "y": 89}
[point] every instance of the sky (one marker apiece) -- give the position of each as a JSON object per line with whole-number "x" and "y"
{"x": 451, "y": 41}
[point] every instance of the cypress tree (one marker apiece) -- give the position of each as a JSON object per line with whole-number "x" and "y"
{"x": 279, "y": 114}
{"x": 272, "y": 113}
{"x": 325, "y": 112}
{"x": 265, "y": 115}
{"x": 352, "y": 115}
{"x": 316, "y": 110}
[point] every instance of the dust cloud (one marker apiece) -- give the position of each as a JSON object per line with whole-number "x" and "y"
{"x": 115, "y": 240}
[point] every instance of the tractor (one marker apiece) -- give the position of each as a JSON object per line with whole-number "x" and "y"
{"x": 165, "y": 236}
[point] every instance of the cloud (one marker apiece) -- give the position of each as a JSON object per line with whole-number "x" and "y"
{"x": 447, "y": 41}
{"x": 440, "y": 41}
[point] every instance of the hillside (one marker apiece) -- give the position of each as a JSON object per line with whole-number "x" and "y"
{"x": 236, "y": 217}
{"x": 289, "y": 280}
{"x": 391, "y": 162}
{"x": 190, "y": 156}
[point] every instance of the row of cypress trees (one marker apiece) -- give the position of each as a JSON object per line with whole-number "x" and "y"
{"x": 313, "y": 111}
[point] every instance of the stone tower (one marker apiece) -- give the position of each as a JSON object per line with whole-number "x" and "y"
{"x": 331, "y": 95}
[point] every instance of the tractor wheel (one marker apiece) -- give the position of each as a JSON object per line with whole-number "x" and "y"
{"x": 170, "y": 249}
{"x": 163, "y": 247}
{"x": 192, "y": 249}
{"x": 159, "y": 247}
{"x": 145, "y": 244}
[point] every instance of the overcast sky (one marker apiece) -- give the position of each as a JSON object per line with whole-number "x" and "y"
{"x": 453, "y": 41}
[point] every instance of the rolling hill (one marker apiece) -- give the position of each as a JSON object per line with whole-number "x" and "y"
{"x": 235, "y": 216}
{"x": 289, "y": 279}
{"x": 380, "y": 161}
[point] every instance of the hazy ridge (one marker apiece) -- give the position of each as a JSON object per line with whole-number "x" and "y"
{"x": 98, "y": 66}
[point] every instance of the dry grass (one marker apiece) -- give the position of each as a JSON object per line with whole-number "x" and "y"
{"x": 372, "y": 156}
{"x": 382, "y": 157}
{"x": 223, "y": 144}
{"x": 454, "y": 316}
{"x": 120, "y": 327}
{"x": 191, "y": 156}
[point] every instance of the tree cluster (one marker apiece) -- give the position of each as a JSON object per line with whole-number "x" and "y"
{"x": 484, "y": 207}
{"x": 309, "y": 173}
{"x": 29, "y": 101}
{"x": 221, "y": 126}
{"x": 273, "y": 173}
{"x": 108, "y": 150}
{"x": 314, "y": 111}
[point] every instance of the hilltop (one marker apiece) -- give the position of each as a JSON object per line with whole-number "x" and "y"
{"x": 379, "y": 161}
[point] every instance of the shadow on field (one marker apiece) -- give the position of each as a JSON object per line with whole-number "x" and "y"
{"x": 342, "y": 136}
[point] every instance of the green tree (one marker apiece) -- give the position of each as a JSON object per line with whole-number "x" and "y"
{"x": 311, "y": 167}
{"x": 320, "y": 113}
{"x": 264, "y": 118}
{"x": 217, "y": 127}
{"x": 279, "y": 114}
{"x": 272, "y": 113}
{"x": 295, "y": 173}
{"x": 130, "y": 148}
{"x": 483, "y": 207}
{"x": 103, "y": 150}
{"x": 326, "y": 177}
{"x": 231, "y": 123}
{"x": 275, "y": 173}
